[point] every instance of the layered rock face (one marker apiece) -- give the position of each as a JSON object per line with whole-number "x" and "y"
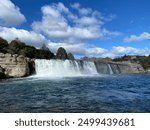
{"x": 14, "y": 65}
{"x": 118, "y": 67}
{"x": 19, "y": 66}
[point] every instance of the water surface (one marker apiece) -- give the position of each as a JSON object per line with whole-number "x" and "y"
{"x": 104, "y": 93}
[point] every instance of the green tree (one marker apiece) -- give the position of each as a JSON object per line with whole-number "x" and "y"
{"x": 61, "y": 53}
{"x": 70, "y": 56}
{"x": 3, "y": 45}
{"x": 15, "y": 46}
{"x": 28, "y": 51}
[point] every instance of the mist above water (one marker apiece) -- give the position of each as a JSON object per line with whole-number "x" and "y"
{"x": 64, "y": 68}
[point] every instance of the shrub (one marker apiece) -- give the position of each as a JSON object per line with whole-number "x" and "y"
{"x": 3, "y": 45}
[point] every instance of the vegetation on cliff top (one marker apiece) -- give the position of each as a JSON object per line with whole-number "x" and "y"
{"x": 18, "y": 47}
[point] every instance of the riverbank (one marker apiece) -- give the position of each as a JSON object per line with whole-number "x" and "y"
{"x": 16, "y": 66}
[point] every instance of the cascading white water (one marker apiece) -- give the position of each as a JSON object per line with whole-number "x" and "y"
{"x": 64, "y": 68}
{"x": 110, "y": 69}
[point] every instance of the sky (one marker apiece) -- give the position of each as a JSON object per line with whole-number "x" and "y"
{"x": 98, "y": 28}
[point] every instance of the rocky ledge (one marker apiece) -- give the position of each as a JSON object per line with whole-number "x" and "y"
{"x": 14, "y": 66}
{"x": 105, "y": 67}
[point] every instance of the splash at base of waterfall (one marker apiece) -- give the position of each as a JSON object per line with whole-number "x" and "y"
{"x": 64, "y": 68}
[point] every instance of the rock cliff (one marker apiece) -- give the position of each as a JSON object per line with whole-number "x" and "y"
{"x": 109, "y": 67}
{"x": 19, "y": 66}
{"x": 15, "y": 66}
{"x": 118, "y": 67}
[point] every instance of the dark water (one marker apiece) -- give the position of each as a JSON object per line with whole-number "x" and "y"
{"x": 117, "y": 93}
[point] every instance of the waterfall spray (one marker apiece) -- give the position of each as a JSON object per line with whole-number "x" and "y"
{"x": 64, "y": 68}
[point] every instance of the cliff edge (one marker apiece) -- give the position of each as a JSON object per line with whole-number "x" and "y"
{"x": 14, "y": 66}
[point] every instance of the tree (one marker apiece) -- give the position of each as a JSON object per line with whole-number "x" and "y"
{"x": 3, "y": 44}
{"x": 45, "y": 48}
{"x": 42, "y": 54}
{"x": 28, "y": 51}
{"x": 15, "y": 46}
{"x": 61, "y": 53}
{"x": 70, "y": 56}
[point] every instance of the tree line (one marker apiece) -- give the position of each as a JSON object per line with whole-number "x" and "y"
{"x": 18, "y": 47}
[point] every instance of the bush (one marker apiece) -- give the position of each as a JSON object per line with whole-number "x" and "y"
{"x": 3, "y": 45}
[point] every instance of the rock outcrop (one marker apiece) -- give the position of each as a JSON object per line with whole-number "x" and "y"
{"x": 123, "y": 68}
{"x": 109, "y": 67}
{"x": 15, "y": 65}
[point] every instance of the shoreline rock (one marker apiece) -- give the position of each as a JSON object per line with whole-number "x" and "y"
{"x": 15, "y": 66}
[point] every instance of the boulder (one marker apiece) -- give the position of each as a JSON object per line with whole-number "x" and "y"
{"x": 15, "y": 65}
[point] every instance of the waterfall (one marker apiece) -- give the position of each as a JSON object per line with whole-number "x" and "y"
{"x": 110, "y": 69}
{"x": 64, "y": 68}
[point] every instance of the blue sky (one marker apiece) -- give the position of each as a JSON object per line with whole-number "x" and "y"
{"x": 97, "y": 28}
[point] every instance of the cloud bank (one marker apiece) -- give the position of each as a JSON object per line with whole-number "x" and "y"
{"x": 10, "y": 14}
{"x": 141, "y": 37}
{"x": 29, "y": 37}
{"x": 60, "y": 26}
{"x": 59, "y": 23}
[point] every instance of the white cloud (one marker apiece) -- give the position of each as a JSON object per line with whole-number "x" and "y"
{"x": 141, "y": 37}
{"x": 93, "y": 51}
{"x": 59, "y": 23}
{"x": 119, "y": 50}
{"x": 75, "y": 6}
{"x": 86, "y": 21}
{"x": 29, "y": 37}
{"x": 82, "y": 11}
{"x": 10, "y": 14}
{"x": 78, "y": 49}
